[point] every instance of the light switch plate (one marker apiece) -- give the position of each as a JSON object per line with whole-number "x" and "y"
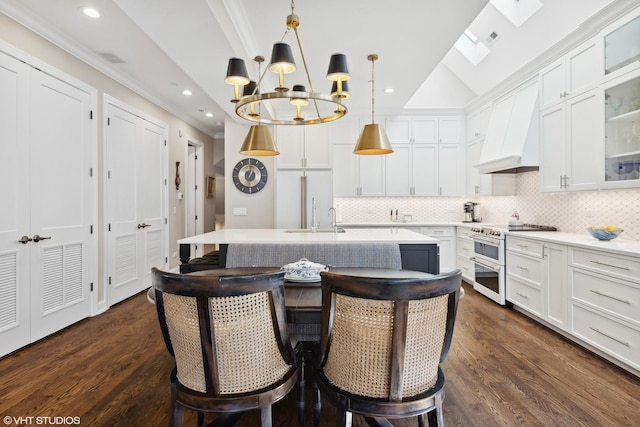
{"x": 239, "y": 211}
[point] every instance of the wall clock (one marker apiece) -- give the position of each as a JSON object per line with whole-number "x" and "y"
{"x": 250, "y": 175}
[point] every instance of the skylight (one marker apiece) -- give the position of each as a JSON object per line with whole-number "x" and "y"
{"x": 517, "y": 11}
{"x": 469, "y": 45}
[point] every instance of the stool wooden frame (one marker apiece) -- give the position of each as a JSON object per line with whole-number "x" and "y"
{"x": 381, "y": 360}
{"x": 207, "y": 382}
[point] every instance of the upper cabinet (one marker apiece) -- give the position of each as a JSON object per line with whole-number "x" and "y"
{"x": 571, "y": 75}
{"x": 478, "y": 122}
{"x": 622, "y": 131}
{"x": 412, "y": 129}
{"x": 354, "y": 175}
{"x": 622, "y": 46}
{"x": 307, "y": 147}
{"x": 571, "y": 144}
{"x": 427, "y": 158}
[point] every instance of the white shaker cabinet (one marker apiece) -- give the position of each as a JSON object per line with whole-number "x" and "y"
{"x": 537, "y": 278}
{"x": 355, "y": 175}
{"x": 464, "y": 250}
{"x": 446, "y": 242}
{"x": 303, "y": 146}
{"x": 571, "y": 144}
{"x": 571, "y": 75}
{"x": 478, "y": 122}
{"x": 604, "y": 296}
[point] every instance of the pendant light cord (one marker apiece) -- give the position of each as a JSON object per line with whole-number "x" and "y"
{"x": 372, "y": 58}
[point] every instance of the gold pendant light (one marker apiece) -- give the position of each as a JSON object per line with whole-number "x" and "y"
{"x": 373, "y": 139}
{"x": 258, "y": 141}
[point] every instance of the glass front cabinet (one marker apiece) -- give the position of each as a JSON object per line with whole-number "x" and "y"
{"x": 622, "y": 103}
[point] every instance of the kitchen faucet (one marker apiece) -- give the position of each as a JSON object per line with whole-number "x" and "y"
{"x": 332, "y": 214}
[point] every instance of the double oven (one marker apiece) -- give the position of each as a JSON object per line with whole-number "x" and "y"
{"x": 488, "y": 258}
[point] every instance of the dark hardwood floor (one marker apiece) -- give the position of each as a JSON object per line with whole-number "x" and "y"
{"x": 503, "y": 370}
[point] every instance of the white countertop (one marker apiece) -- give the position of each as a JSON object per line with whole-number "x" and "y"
{"x": 619, "y": 246}
{"x": 269, "y": 235}
{"x": 403, "y": 224}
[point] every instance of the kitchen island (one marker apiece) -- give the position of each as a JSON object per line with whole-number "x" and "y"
{"x": 418, "y": 251}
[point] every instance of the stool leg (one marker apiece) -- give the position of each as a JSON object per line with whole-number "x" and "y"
{"x": 301, "y": 385}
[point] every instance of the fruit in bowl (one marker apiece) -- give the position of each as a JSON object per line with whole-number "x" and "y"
{"x": 609, "y": 232}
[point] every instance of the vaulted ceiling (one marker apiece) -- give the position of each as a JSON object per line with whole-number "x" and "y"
{"x": 161, "y": 47}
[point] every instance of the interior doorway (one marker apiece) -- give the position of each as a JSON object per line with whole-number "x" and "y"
{"x": 194, "y": 197}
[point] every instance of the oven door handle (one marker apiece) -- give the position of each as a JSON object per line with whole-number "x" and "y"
{"x": 483, "y": 239}
{"x": 485, "y": 264}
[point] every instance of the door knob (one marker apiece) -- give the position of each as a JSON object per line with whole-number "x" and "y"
{"x": 37, "y": 238}
{"x": 143, "y": 225}
{"x": 24, "y": 240}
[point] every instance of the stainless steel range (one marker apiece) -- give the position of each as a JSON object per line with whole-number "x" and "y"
{"x": 489, "y": 258}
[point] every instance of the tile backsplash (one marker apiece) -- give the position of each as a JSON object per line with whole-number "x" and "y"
{"x": 570, "y": 212}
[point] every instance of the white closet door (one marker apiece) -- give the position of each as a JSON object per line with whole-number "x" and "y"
{"x": 150, "y": 187}
{"x": 14, "y": 214}
{"x": 61, "y": 201}
{"x": 135, "y": 200}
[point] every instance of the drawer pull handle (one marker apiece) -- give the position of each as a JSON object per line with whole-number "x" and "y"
{"x": 522, "y": 268}
{"x": 523, "y": 295}
{"x": 522, "y": 246}
{"x": 609, "y": 336}
{"x": 611, "y": 265}
{"x": 609, "y": 296}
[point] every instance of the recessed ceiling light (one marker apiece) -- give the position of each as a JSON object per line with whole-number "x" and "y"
{"x": 209, "y": 114}
{"x": 187, "y": 92}
{"x": 388, "y": 90}
{"x": 91, "y": 12}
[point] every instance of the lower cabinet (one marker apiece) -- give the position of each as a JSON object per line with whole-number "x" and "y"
{"x": 464, "y": 251}
{"x": 446, "y": 243}
{"x": 592, "y": 295}
{"x": 604, "y": 302}
{"x": 537, "y": 278}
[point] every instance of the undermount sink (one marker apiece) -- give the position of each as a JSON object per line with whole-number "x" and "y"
{"x": 319, "y": 230}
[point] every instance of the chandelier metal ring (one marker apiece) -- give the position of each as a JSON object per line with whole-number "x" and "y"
{"x": 337, "y": 111}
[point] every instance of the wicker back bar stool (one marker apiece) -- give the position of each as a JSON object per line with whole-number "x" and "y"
{"x": 228, "y": 335}
{"x": 382, "y": 341}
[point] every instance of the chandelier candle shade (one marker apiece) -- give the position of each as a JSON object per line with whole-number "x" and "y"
{"x": 295, "y": 106}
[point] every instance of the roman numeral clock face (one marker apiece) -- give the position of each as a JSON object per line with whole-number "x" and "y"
{"x": 249, "y": 175}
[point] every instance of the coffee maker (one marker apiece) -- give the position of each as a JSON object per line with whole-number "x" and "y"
{"x": 471, "y": 212}
{"x": 468, "y": 212}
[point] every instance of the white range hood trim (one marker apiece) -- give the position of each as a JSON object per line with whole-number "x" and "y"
{"x": 512, "y": 138}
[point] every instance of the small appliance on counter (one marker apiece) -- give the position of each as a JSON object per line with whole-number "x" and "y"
{"x": 476, "y": 213}
{"x": 471, "y": 212}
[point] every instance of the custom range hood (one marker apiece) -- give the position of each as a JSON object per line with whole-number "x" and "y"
{"x": 511, "y": 144}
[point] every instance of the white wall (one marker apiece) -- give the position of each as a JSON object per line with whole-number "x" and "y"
{"x": 259, "y": 206}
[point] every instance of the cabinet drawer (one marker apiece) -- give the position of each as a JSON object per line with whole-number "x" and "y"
{"x": 463, "y": 232}
{"x": 525, "y": 296}
{"x": 465, "y": 248}
{"x": 616, "y": 338}
{"x": 525, "y": 267}
{"x": 437, "y": 231}
{"x": 525, "y": 246}
{"x": 467, "y": 268}
{"x": 620, "y": 266}
{"x": 618, "y": 297}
